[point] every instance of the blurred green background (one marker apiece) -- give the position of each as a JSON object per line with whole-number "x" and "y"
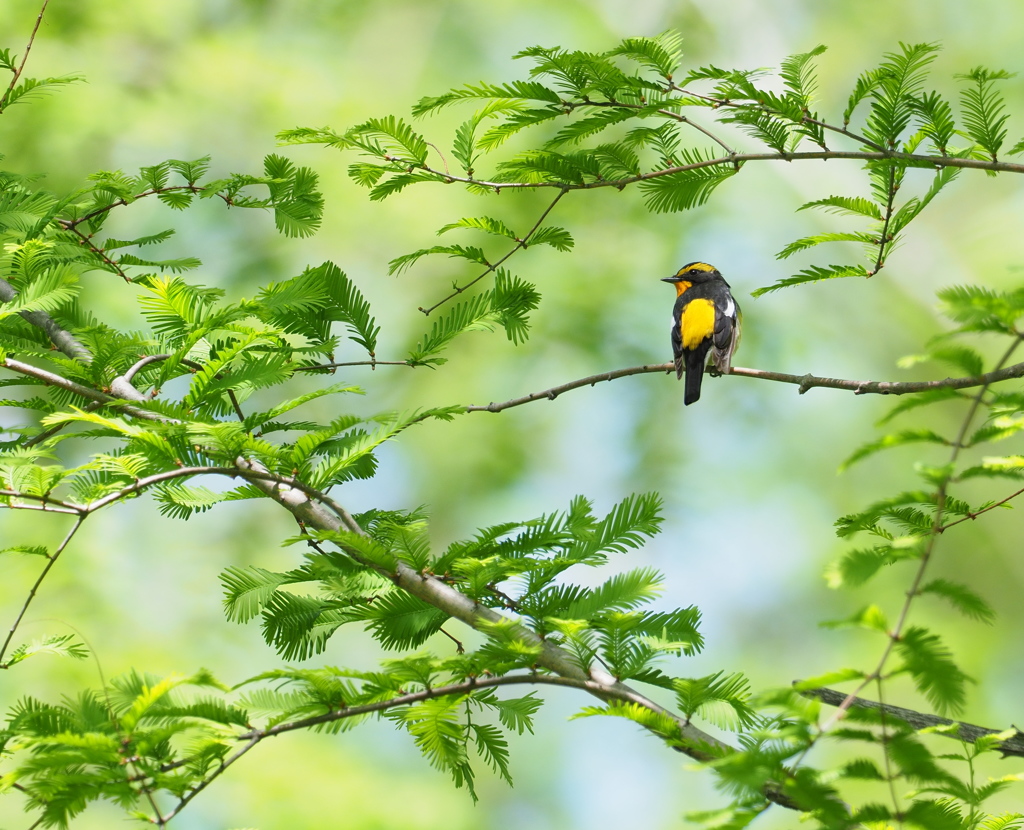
{"x": 748, "y": 474}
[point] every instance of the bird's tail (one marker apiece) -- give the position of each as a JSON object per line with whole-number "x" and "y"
{"x": 694, "y": 376}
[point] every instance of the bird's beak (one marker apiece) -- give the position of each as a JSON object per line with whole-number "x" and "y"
{"x": 670, "y": 279}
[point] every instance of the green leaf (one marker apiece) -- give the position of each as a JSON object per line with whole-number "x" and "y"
{"x": 435, "y": 727}
{"x": 401, "y": 263}
{"x": 686, "y": 189}
{"x": 576, "y": 131}
{"x": 895, "y": 90}
{"x": 298, "y": 205}
{"x": 621, "y": 592}
{"x": 919, "y": 399}
{"x": 663, "y": 53}
{"x": 810, "y": 241}
{"x": 930, "y": 664}
{"x": 857, "y": 567}
{"x": 514, "y": 90}
{"x": 534, "y": 166}
{"x": 933, "y": 815}
{"x": 828, "y": 679}
{"x": 395, "y": 138}
{"x": 481, "y": 223}
{"x": 399, "y": 620}
{"x": 913, "y": 207}
{"x": 797, "y": 72}
{"x": 1000, "y": 429}
{"x": 558, "y": 238}
{"x": 984, "y": 109}
{"x": 248, "y": 590}
{"x": 175, "y": 266}
{"x": 896, "y": 439}
{"x": 515, "y": 122}
{"x": 63, "y": 645}
{"x": 723, "y": 699}
{"x": 815, "y": 273}
{"x": 476, "y": 314}
{"x": 30, "y": 550}
{"x": 982, "y": 309}
{"x": 962, "y": 598}
{"x": 936, "y": 118}
{"x": 493, "y": 748}
{"x": 872, "y": 617}
{"x": 181, "y": 501}
{"x": 848, "y": 205}
{"x": 512, "y": 300}
{"x": 964, "y": 358}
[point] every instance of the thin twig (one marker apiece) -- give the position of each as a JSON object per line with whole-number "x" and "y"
{"x": 202, "y": 785}
{"x": 459, "y": 647}
{"x": 51, "y": 561}
{"x": 24, "y": 58}
{"x": 883, "y": 240}
{"x": 371, "y": 363}
{"x": 85, "y": 241}
{"x": 976, "y": 513}
{"x": 71, "y": 224}
{"x": 521, "y": 244}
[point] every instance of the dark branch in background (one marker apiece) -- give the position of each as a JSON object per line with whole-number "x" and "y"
{"x": 920, "y": 720}
{"x": 521, "y": 244}
{"x": 805, "y": 382}
{"x": 21, "y": 66}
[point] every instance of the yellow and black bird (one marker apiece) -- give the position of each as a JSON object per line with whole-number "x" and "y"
{"x": 705, "y": 319}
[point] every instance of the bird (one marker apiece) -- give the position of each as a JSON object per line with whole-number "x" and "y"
{"x": 705, "y": 318}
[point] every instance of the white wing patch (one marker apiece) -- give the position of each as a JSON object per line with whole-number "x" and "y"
{"x": 730, "y": 308}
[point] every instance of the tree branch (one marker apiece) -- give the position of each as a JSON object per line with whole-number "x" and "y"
{"x": 123, "y": 389}
{"x": 921, "y": 720}
{"x": 805, "y": 382}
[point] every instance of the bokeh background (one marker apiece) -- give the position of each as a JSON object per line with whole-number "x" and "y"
{"x": 749, "y": 475}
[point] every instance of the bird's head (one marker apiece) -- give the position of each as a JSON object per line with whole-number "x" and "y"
{"x": 692, "y": 273}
